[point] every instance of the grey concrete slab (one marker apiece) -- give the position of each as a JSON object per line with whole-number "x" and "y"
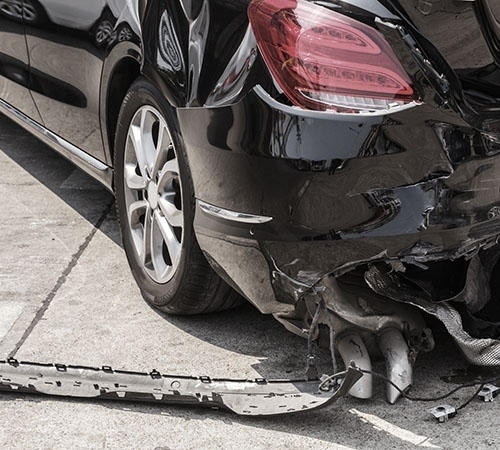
{"x": 10, "y": 311}
{"x": 66, "y": 295}
{"x": 47, "y": 206}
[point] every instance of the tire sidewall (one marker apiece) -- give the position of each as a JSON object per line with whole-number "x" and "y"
{"x": 144, "y": 93}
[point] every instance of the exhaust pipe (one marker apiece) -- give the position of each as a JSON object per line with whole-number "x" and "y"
{"x": 396, "y": 353}
{"x": 352, "y": 348}
{"x": 352, "y": 311}
{"x": 398, "y": 365}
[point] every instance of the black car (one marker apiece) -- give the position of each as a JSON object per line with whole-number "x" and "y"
{"x": 334, "y": 162}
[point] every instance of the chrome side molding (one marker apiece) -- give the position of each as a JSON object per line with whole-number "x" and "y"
{"x": 92, "y": 166}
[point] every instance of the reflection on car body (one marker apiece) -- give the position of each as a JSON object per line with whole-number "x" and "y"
{"x": 97, "y": 17}
{"x": 335, "y": 163}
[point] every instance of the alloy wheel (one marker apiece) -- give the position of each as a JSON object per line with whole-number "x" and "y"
{"x": 153, "y": 194}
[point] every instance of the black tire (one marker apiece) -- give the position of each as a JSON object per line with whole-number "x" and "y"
{"x": 187, "y": 284}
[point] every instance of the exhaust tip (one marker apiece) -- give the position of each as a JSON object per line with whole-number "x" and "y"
{"x": 398, "y": 363}
{"x": 352, "y": 349}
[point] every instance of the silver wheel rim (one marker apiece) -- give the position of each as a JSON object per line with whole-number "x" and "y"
{"x": 153, "y": 194}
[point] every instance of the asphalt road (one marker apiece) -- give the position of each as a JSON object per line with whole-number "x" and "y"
{"x": 67, "y": 296}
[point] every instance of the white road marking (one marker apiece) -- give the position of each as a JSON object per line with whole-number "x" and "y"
{"x": 394, "y": 430}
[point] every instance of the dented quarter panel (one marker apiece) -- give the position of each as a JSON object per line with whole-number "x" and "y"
{"x": 416, "y": 185}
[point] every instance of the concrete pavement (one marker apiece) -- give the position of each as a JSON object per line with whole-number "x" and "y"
{"x": 66, "y": 295}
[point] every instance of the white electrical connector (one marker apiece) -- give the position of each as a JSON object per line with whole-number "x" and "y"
{"x": 443, "y": 413}
{"x": 488, "y": 392}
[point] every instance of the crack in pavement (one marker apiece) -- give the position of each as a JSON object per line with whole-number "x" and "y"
{"x": 60, "y": 281}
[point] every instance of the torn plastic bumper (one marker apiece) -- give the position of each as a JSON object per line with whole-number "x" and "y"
{"x": 478, "y": 351}
{"x": 244, "y": 397}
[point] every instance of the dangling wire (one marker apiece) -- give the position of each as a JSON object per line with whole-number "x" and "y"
{"x": 463, "y": 405}
{"x": 321, "y": 307}
{"x": 326, "y": 382}
{"x": 311, "y": 370}
{"x": 332, "y": 341}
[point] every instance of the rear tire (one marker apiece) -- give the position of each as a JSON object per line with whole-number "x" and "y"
{"x": 156, "y": 203}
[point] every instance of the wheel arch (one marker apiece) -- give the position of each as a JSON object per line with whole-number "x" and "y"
{"x": 176, "y": 279}
{"x": 122, "y": 67}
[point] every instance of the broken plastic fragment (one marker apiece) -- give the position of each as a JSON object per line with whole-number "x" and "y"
{"x": 245, "y": 397}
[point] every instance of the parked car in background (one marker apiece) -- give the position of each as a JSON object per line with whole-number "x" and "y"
{"x": 333, "y": 162}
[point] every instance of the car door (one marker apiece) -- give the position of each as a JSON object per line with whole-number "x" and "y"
{"x": 14, "y": 63}
{"x": 67, "y": 46}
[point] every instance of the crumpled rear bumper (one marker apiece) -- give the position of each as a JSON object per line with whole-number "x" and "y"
{"x": 338, "y": 191}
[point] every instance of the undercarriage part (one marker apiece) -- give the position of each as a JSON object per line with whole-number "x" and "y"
{"x": 398, "y": 365}
{"x": 352, "y": 348}
{"x": 356, "y": 304}
{"x": 366, "y": 324}
{"x": 249, "y": 398}
{"x": 478, "y": 351}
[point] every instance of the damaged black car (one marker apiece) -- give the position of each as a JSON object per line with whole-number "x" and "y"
{"x": 335, "y": 162}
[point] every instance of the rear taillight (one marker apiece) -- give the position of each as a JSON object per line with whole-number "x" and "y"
{"x": 323, "y": 60}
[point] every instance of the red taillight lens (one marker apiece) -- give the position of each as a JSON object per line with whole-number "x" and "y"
{"x": 325, "y": 60}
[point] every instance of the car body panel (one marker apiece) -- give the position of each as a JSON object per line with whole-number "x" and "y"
{"x": 66, "y": 66}
{"x": 391, "y": 187}
{"x": 342, "y": 190}
{"x": 14, "y": 67}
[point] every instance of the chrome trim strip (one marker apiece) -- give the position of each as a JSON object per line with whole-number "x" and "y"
{"x": 328, "y": 115}
{"x": 233, "y": 216}
{"x": 86, "y": 162}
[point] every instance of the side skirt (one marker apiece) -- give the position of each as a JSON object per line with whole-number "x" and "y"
{"x": 92, "y": 166}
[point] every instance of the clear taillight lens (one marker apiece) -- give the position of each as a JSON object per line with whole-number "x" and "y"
{"x": 324, "y": 60}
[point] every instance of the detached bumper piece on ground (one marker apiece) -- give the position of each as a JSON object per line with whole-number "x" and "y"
{"x": 244, "y": 397}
